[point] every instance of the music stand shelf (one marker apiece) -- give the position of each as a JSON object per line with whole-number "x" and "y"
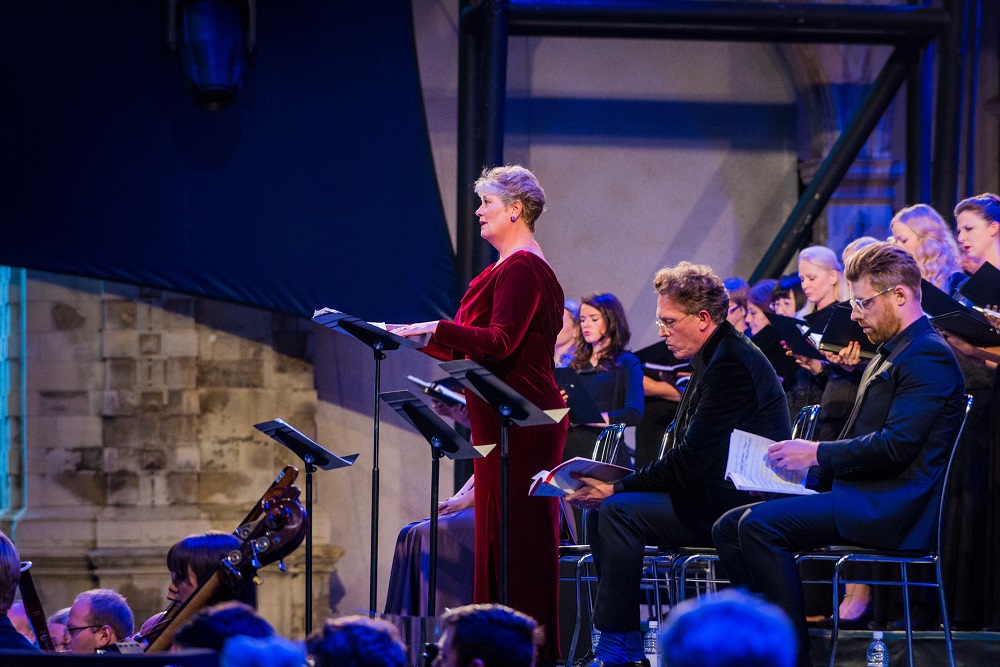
{"x": 380, "y": 341}
{"x": 513, "y": 409}
{"x": 313, "y": 455}
{"x": 444, "y": 441}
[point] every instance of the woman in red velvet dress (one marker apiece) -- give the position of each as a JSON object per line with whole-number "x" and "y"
{"x": 508, "y": 321}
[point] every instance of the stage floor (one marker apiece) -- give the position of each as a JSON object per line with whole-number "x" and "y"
{"x": 972, "y": 649}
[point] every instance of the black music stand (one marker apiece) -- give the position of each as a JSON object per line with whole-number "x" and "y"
{"x": 380, "y": 341}
{"x": 513, "y": 409}
{"x": 313, "y": 455}
{"x": 444, "y": 441}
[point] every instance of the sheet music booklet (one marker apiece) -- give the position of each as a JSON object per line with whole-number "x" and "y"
{"x": 558, "y": 481}
{"x": 748, "y": 468}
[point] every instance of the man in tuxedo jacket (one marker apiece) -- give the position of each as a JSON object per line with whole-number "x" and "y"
{"x": 675, "y": 500}
{"x": 890, "y": 462}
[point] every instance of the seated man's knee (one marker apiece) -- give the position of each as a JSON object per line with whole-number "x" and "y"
{"x": 755, "y": 524}
{"x": 726, "y": 527}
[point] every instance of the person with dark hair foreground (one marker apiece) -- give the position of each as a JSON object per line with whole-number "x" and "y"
{"x": 191, "y": 562}
{"x": 196, "y": 558}
{"x": 213, "y": 626}
{"x": 10, "y": 575}
{"x": 731, "y": 629}
{"x": 98, "y": 618}
{"x": 487, "y": 635}
{"x": 888, "y": 465}
{"x": 356, "y": 641}
{"x": 675, "y": 500}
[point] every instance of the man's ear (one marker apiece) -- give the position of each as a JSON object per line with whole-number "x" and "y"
{"x": 107, "y": 635}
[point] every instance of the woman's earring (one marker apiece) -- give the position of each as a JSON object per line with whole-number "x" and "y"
{"x": 513, "y": 218}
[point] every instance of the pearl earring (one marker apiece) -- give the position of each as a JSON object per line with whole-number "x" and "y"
{"x": 513, "y": 218}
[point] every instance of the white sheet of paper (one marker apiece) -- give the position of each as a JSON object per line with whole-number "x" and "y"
{"x": 749, "y": 470}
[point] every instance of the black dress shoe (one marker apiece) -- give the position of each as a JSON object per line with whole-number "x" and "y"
{"x": 597, "y": 662}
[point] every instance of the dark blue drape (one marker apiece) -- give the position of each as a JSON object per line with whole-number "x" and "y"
{"x": 315, "y": 188}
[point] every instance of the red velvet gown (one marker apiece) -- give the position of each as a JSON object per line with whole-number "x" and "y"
{"x": 507, "y": 322}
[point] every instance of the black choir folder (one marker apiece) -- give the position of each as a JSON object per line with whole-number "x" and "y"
{"x": 953, "y": 317}
{"x": 787, "y": 329}
{"x": 582, "y": 409}
{"x": 841, "y": 330}
{"x": 559, "y": 481}
{"x": 749, "y": 470}
{"x": 983, "y": 288}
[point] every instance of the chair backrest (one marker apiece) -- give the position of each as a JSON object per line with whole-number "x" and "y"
{"x": 947, "y": 473}
{"x": 667, "y": 442}
{"x": 608, "y": 443}
{"x": 605, "y": 450}
{"x": 805, "y": 422}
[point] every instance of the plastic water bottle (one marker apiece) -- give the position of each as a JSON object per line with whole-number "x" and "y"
{"x": 595, "y": 638}
{"x": 877, "y": 654}
{"x": 650, "y": 645}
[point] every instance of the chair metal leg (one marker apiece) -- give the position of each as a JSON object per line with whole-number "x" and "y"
{"x": 945, "y": 621}
{"x": 835, "y": 630}
{"x": 575, "y": 642}
{"x": 906, "y": 615}
{"x": 656, "y": 590}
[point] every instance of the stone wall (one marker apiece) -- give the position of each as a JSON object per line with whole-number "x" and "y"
{"x": 139, "y": 419}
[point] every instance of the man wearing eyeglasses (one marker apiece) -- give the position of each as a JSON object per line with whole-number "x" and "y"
{"x": 97, "y": 619}
{"x": 674, "y": 501}
{"x": 888, "y": 465}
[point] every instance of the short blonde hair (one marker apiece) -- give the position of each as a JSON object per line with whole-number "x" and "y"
{"x": 694, "y": 288}
{"x": 513, "y": 183}
{"x": 825, "y": 259}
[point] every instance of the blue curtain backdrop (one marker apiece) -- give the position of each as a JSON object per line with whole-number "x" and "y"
{"x": 316, "y": 188}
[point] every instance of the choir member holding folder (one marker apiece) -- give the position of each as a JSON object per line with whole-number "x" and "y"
{"x": 976, "y": 603}
{"x": 607, "y": 373}
{"x": 508, "y": 321}
{"x": 889, "y": 462}
{"x": 674, "y": 500}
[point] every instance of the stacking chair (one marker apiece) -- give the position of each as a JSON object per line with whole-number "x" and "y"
{"x": 579, "y": 555}
{"x": 684, "y": 565}
{"x": 842, "y": 555}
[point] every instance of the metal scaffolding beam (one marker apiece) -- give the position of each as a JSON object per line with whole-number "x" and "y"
{"x": 485, "y": 26}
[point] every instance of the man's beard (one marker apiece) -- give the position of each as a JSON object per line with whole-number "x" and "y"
{"x": 885, "y": 329}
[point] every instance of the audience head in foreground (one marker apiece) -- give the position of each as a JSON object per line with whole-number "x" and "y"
{"x": 10, "y": 575}
{"x": 212, "y": 627}
{"x": 487, "y": 635}
{"x": 273, "y": 651}
{"x": 98, "y": 618}
{"x": 731, "y": 629}
{"x": 57, "y": 629}
{"x": 193, "y": 560}
{"x": 356, "y": 641}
